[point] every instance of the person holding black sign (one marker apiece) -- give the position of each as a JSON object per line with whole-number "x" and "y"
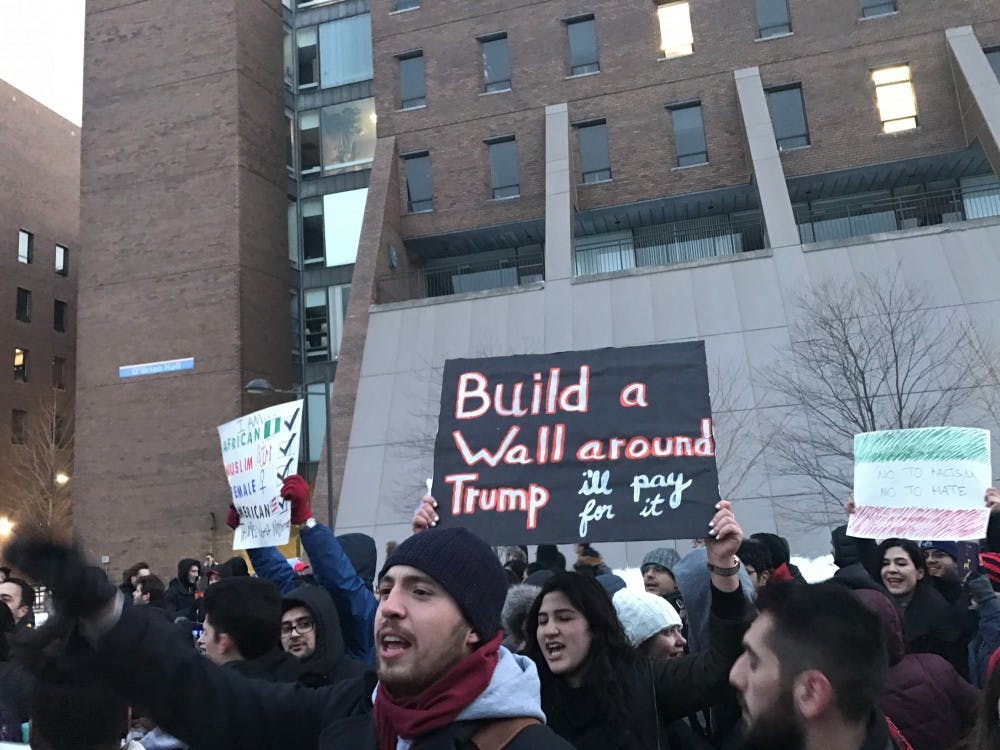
{"x": 597, "y": 691}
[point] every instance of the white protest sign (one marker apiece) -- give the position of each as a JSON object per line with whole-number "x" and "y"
{"x": 925, "y": 483}
{"x": 258, "y": 452}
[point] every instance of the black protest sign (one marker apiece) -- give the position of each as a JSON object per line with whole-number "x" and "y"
{"x": 602, "y": 445}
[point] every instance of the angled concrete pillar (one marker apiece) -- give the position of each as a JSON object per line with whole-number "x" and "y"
{"x": 768, "y": 173}
{"x": 558, "y": 194}
{"x": 978, "y": 92}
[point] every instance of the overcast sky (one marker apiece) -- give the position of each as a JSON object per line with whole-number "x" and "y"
{"x": 41, "y": 51}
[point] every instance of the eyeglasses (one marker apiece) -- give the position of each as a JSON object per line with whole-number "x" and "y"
{"x": 301, "y": 626}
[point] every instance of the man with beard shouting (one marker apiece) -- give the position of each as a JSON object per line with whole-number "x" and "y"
{"x": 813, "y": 665}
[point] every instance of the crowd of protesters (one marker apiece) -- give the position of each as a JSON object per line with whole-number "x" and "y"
{"x": 452, "y": 644}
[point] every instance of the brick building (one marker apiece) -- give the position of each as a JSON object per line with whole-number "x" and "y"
{"x": 39, "y": 256}
{"x": 543, "y": 176}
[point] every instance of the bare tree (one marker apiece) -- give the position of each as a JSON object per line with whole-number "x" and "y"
{"x": 872, "y": 355}
{"x": 41, "y": 467}
{"x": 741, "y": 442}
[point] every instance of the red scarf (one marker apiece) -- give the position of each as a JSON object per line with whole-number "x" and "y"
{"x": 439, "y": 703}
{"x": 782, "y": 573}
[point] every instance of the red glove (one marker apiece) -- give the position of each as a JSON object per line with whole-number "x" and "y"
{"x": 233, "y": 517}
{"x": 296, "y": 489}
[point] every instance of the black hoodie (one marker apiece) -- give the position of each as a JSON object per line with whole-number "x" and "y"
{"x": 180, "y": 596}
{"x": 327, "y": 663}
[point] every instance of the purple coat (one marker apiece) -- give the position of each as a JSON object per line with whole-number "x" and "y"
{"x": 923, "y": 695}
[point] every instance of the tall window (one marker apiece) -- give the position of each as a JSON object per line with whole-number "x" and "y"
{"x": 496, "y": 64}
{"x": 773, "y": 18}
{"x": 309, "y": 158}
{"x": 676, "y": 37}
{"x": 23, "y": 305}
{"x": 871, "y": 8}
{"x": 305, "y": 40}
{"x": 993, "y": 55}
{"x": 312, "y": 231}
{"x": 326, "y": 309}
{"x": 418, "y": 182}
{"x": 345, "y": 50}
{"x": 18, "y": 426}
{"x": 405, "y": 4}
{"x": 59, "y": 316}
{"x": 62, "y": 260}
{"x": 58, "y": 373}
{"x": 788, "y": 117}
{"x": 21, "y": 365}
{"x": 582, "y": 46}
{"x": 595, "y": 164}
{"x": 897, "y": 102}
{"x": 503, "y": 168}
{"x": 689, "y": 135}
{"x": 348, "y": 136}
{"x": 25, "y": 246}
{"x": 412, "y": 91}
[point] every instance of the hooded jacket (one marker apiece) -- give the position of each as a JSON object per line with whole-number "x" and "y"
{"x": 275, "y": 666}
{"x": 923, "y": 694}
{"x": 180, "y": 595}
{"x": 327, "y": 664}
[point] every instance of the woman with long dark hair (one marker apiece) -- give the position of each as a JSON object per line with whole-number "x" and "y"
{"x": 597, "y": 691}
{"x": 930, "y": 624}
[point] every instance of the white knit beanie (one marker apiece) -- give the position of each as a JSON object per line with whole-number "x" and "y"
{"x": 643, "y": 615}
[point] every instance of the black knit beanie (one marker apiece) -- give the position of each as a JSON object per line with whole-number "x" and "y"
{"x": 466, "y": 568}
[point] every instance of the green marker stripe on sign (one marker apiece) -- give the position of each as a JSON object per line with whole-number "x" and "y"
{"x": 925, "y": 444}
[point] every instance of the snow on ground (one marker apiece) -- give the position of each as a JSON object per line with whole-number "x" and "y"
{"x": 813, "y": 570}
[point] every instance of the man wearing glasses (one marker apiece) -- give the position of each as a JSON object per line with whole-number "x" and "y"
{"x": 310, "y": 631}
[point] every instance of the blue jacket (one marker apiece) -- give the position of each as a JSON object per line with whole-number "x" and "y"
{"x": 333, "y": 571}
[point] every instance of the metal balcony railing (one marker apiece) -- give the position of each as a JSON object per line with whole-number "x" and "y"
{"x": 852, "y": 218}
{"x": 666, "y": 244}
{"x": 465, "y": 275}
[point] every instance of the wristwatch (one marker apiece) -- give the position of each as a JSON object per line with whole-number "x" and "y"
{"x": 310, "y": 522}
{"x": 724, "y": 571}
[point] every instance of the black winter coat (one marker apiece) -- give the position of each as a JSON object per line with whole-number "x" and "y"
{"x": 180, "y": 595}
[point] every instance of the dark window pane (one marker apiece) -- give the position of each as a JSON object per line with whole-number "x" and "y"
{"x": 21, "y": 365}
{"x": 772, "y": 18}
{"x": 59, "y": 315}
{"x": 309, "y": 142}
{"x": 23, "y": 305}
{"x": 317, "y": 326}
{"x": 308, "y": 57}
{"x": 993, "y": 56}
{"x": 418, "y": 183}
{"x": 496, "y": 65}
{"x": 594, "y": 161}
{"x": 345, "y": 50}
{"x": 871, "y": 8}
{"x": 788, "y": 117}
{"x": 58, "y": 372}
{"x": 582, "y": 47}
{"x": 411, "y": 81}
{"x": 503, "y": 169}
{"x": 405, "y": 4}
{"x": 18, "y": 426}
{"x": 689, "y": 136}
{"x": 312, "y": 231}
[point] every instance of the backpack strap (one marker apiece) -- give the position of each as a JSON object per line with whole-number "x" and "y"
{"x": 496, "y": 735}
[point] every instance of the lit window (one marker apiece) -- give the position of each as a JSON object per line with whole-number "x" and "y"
{"x": 496, "y": 63}
{"x": 317, "y": 326}
{"x": 788, "y": 117}
{"x": 582, "y": 46}
{"x": 417, "y": 168}
{"x": 21, "y": 365}
{"x": 345, "y": 51}
{"x": 872, "y": 8}
{"x": 595, "y": 163}
{"x": 412, "y": 91}
{"x": 676, "y": 38}
{"x": 289, "y": 56}
{"x": 23, "y": 305}
{"x": 897, "y": 102}
{"x": 772, "y": 18}
{"x": 503, "y": 168}
{"x": 343, "y": 215}
{"x": 18, "y": 426}
{"x": 62, "y": 260}
{"x": 348, "y": 136}
{"x": 59, "y": 316}
{"x": 689, "y": 135}
{"x": 25, "y": 246}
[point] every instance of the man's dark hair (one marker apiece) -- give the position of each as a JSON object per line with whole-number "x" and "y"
{"x": 249, "y": 611}
{"x": 823, "y": 626}
{"x": 153, "y": 586}
{"x": 776, "y": 545}
{"x": 27, "y": 590}
{"x": 131, "y": 571}
{"x": 755, "y": 554}
{"x": 73, "y": 716}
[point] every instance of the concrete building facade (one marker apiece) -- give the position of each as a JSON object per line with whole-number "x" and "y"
{"x": 39, "y": 258}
